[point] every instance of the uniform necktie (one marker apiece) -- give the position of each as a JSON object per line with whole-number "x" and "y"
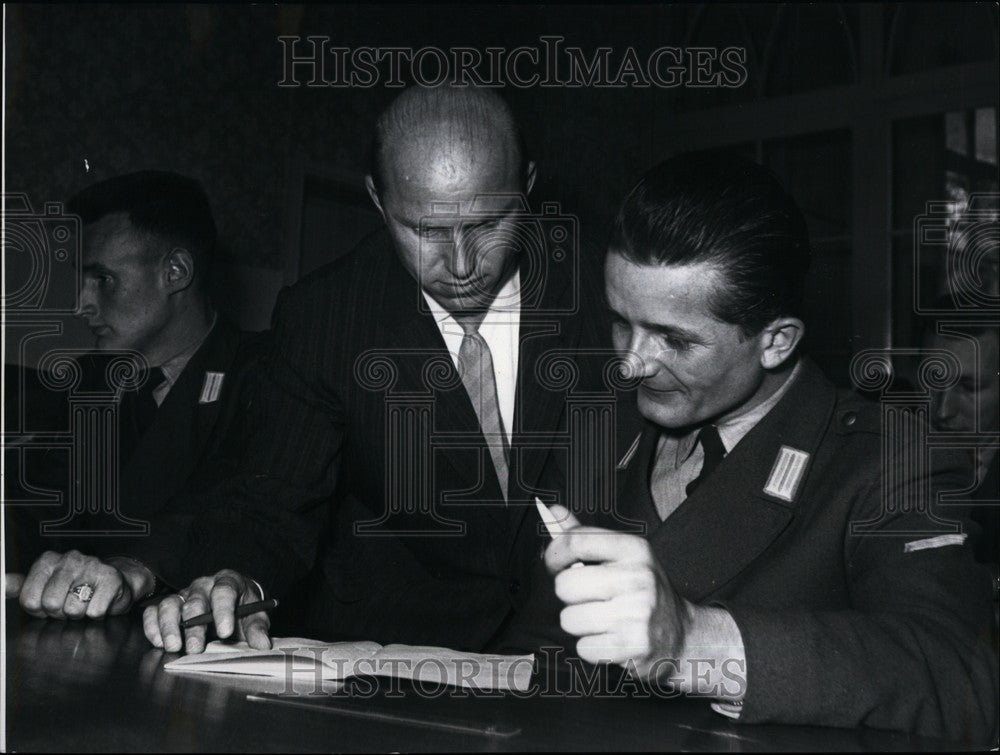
{"x": 475, "y": 366}
{"x": 713, "y": 451}
{"x": 138, "y": 410}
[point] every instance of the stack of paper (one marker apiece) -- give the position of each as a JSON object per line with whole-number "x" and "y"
{"x": 294, "y": 657}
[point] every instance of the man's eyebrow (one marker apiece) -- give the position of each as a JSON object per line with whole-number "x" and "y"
{"x": 97, "y": 267}
{"x": 673, "y": 330}
{"x": 513, "y": 207}
{"x": 411, "y": 222}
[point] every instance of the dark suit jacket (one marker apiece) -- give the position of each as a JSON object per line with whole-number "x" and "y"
{"x": 986, "y": 513}
{"x": 184, "y": 435}
{"x": 840, "y": 629}
{"x": 368, "y": 458}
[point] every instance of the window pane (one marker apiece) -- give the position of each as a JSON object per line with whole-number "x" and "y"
{"x": 718, "y": 27}
{"x": 815, "y": 49}
{"x": 827, "y": 309}
{"x": 932, "y": 35}
{"x": 816, "y": 171}
{"x": 944, "y": 176}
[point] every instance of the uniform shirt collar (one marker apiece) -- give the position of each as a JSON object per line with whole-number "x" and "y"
{"x": 737, "y": 425}
{"x": 174, "y": 366}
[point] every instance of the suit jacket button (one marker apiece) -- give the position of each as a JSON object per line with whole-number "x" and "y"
{"x": 515, "y": 586}
{"x": 849, "y": 418}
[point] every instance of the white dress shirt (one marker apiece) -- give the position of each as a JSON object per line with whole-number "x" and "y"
{"x": 501, "y": 331}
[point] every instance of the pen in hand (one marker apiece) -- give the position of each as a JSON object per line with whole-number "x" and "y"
{"x": 552, "y": 524}
{"x": 241, "y": 612}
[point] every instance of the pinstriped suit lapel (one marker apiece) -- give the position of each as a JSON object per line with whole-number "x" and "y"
{"x": 427, "y": 371}
{"x": 546, "y": 326}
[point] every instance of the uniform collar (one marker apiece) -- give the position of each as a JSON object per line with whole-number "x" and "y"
{"x": 737, "y": 425}
{"x": 174, "y": 366}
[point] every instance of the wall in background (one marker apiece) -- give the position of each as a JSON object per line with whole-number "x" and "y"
{"x": 193, "y": 88}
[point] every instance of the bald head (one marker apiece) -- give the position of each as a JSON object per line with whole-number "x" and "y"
{"x": 438, "y": 154}
{"x": 438, "y": 136}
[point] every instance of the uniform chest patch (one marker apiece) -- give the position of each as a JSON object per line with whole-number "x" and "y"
{"x": 212, "y": 387}
{"x": 786, "y": 474}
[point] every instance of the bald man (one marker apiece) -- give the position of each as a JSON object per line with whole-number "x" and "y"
{"x": 406, "y": 421}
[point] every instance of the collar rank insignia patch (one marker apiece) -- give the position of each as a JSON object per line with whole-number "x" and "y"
{"x": 212, "y": 387}
{"x": 787, "y": 473}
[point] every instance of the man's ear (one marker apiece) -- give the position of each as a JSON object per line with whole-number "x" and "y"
{"x": 779, "y": 340}
{"x": 179, "y": 269}
{"x": 530, "y": 174}
{"x": 373, "y": 193}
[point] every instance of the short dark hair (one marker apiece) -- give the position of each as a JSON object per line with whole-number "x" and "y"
{"x": 171, "y": 207}
{"x": 728, "y": 212}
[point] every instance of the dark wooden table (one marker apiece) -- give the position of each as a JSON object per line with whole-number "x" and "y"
{"x": 98, "y": 686}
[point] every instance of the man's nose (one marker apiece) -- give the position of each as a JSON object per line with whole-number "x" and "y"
{"x": 641, "y": 358}
{"x": 86, "y": 305}
{"x": 464, "y": 255}
{"x": 943, "y": 406}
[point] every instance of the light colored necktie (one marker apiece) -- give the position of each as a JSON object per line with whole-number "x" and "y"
{"x": 475, "y": 366}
